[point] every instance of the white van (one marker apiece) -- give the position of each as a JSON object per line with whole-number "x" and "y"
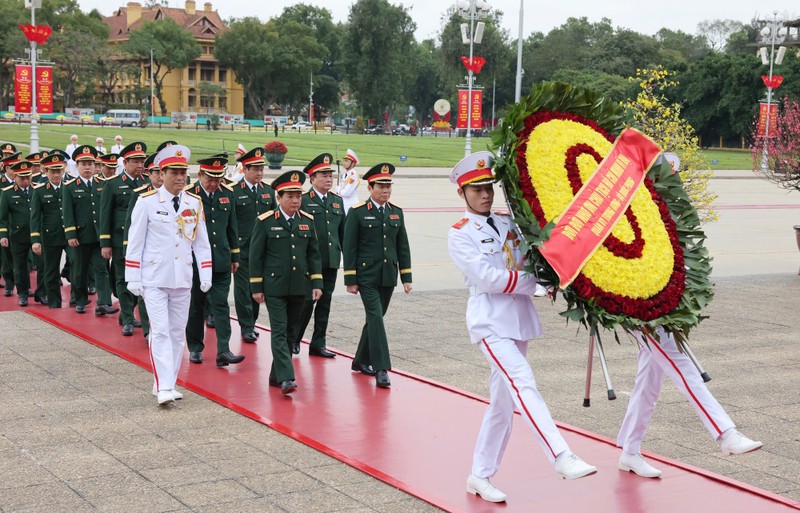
{"x": 125, "y": 117}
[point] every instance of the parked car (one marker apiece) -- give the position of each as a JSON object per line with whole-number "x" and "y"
{"x": 300, "y": 125}
{"x": 374, "y": 129}
{"x": 401, "y": 129}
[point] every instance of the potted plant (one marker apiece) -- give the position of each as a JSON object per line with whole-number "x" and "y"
{"x": 275, "y": 152}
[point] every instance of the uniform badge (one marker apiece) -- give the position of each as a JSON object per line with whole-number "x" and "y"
{"x": 162, "y": 213}
{"x": 303, "y": 227}
{"x": 265, "y": 195}
{"x": 224, "y": 200}
{"x": 277, "y": 228}
{"x": 336, "y": 205}
{"x": 486, "y": 241}
{"x": 394, "y": 216}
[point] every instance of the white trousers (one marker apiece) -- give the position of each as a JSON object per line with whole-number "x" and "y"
{"x": 658, "y": 360}
{"x": 512, "y": 384}
{"x": 169, "y": 311}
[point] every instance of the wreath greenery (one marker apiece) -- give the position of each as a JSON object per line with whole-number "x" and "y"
{"x": 653, "y": 270}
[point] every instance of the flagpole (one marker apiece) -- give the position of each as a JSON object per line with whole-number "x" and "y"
{"x": 34, "y": 125}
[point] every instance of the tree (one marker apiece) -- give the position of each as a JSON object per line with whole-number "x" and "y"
{"x": 377, "y": 54}
{"x": 679, "y": 49}
{"x": 613, "y": 87}
{"x": 782, "y": 152}
{"x": 427, "y": 87}
{"x": 717, "y": 32}
{"x": 660, "y": 119}
{"x": 172, "y": 47}
{"x": 75, "y": 55}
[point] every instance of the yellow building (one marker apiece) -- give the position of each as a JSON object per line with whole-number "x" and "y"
{"x": 181, "y": 90}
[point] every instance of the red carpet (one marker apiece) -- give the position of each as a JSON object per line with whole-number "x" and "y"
{"x": 419, "y": 435}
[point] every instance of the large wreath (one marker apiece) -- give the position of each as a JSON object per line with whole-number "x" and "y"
{"x": 652, "y": 270}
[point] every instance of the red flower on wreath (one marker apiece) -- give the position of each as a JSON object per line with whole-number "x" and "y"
{"x": 275, "y": 147}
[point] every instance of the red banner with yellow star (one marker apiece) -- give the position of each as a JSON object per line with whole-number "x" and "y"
{"x": 599, "y": 204}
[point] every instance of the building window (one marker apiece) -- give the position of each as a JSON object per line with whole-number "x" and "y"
{"x": 192, "y": 98}
{"x": 223, "y": 102}
{"x": 192, "y": 73}
{"x": 206, "y": 102}
{"x": 207, "y": 73}
{"x": 223, "y": 74}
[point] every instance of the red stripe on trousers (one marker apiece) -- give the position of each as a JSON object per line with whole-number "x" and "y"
{"x": 524, "y": 406}
{"x": 684, "y": 383}
{"x": 152, "y": 361}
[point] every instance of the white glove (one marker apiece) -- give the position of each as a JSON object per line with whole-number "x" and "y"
{"x": 205, "y": 286}
{"x": 135, "y": 288}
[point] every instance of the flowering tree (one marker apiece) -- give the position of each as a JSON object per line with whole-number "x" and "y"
{"x": 782, "y": 151}
{"x": 662, "y": 122}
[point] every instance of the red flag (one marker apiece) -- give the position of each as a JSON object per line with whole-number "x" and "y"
{"x": 475, "y": 65}
{"x": 773, "y": 83}
{"x": 37, "y": 34}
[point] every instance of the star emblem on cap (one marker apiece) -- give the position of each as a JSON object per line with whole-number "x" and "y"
{"x": 385, "y": 169}
{"x": 56, "y": 158}
{"x": 326, "y": 159}
{"x": 258, "y": 153}
{"x": 138, "y": 147}
{"x": 295, "y": 177}
{"x": 216, "y": 163}
{"x": 86, "y": 150}
{"x": 481, "y": 164}
{"x": 179, "y": 153}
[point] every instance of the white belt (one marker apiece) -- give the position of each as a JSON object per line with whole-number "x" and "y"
{"x": 474, "y": 291}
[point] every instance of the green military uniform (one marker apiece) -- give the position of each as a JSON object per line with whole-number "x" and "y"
{"x": 375, "y": 248}
{"x": 251, "y": 200}
{"x": 47, "y": 229}
{"x": 220, "y": 212}
{"x": 15, "y": 225}
{"x": 114, "y": 204}
{"x": 80, "y": 205}
{"x": 37, "y": 175}
{"x": 329, "y": 218}
{"x": 285, "y": 257}
{"x": 138, "y": 193}
{"x": 10, "y": 156}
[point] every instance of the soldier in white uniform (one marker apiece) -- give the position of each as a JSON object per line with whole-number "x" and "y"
{"x": 501, "y": 320}
{"x": 660, "y": 357}
{"x": 72, "y": 168}
{"x": 167, "y": 225}
{"x": 117, "y": 148}
{"x": 348, "y": 187}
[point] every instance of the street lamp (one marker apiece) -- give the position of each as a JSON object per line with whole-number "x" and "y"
{"x": 773, "y": 33}
{"x": 472, "y": 9}
{"x": 33, "y": 4}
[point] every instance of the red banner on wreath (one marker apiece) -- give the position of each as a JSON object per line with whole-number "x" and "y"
{"x": 464, "y": 105}
{"x": 762, "y": 119}
{"x": 23, "y": 89}
{"x": 44, "y": 90}
{"x": 597, "y": 207}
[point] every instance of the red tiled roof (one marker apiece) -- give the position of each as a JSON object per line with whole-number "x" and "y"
{"x": 203, "y": 24}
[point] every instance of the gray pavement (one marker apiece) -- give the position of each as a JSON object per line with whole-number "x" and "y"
{"x": 79, "y": 430}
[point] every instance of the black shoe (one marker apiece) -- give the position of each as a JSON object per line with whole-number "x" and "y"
{"x": 137, "y": 324}
{"x": 8, "y": 292}
{"x": 23, "y": 301}
{"x": 362, "y": 368}
{"x": 296, "y": 348}
{"x": 92, "y": 291}
{"x": 81, "y": 309}
{"x": 323, "y": 352}
{"x": 40, "y": 299}
{"x": 195, "y": 357}
{"x": 210, "y": 322}
{"x": 382, "y": 379}
{"x": 249, "y": 337}
{"x": 65, "y": 275}
{"x": 105, "y": 309}
{"x": 288, "y": 386}
{"x": 227, "y": 358}
{"x": 88, "y": 301}
{"x": 2, "y": 285}
{"x": 127, "y": 330}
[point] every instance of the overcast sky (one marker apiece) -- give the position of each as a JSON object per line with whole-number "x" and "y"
{"x": 641, "y": 16}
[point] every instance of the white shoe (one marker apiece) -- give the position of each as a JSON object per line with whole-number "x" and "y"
{"x": 569, "y": 466}
{"x": 165, "y": 396}
{"x": 635, "y": 463}
{"x": 177, "y": 395}
{"x": 485, "y": 489}
{"x": 540, "y": 291}
{"x": 733, "y": 442}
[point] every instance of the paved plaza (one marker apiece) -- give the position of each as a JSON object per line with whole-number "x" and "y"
{"x": 79, "y": 430}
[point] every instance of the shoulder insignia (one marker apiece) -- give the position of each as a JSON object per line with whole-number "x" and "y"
{"x": 70, "y": 181}
{"x": 306, "y": 214}
{"x": 189, "y": 186}
{"x": 227, "y": 186}
{"x": 334, "y": 194}
{"x": 113, "y": 177}
{"x": 394, "y": 206}
{"x": 37, "y": 185}
{"x": 461, "y": 223}
{"x": 265, "y": 215}
{"x": 359, "y": 205}
{"x": 505, "y": 213}
{"x": 194, "y": 195}
{"x": 141, "y": 187}
{"x": 9, "y": 187}
{"x": 149, "y": 193}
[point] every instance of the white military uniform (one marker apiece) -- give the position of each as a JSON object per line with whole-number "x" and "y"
{"x": 348, "y": 188}
{"x": 159, "y": 256}
{"x": 117, "y": 148}
{"x": 657, "y": 360}
{"x": 72, "y": 167}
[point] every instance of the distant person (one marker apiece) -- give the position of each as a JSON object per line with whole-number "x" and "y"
{"x": 348, "y": 186}
{"x": 117, "y": 148}
{"x": 275, "y": 127}
{"x": 101, "y": 150}
{"x": 72, "y": 169}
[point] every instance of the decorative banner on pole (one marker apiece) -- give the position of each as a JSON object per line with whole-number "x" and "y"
{"x": 476, "y": 65}
{"x": 762, "y": 119}
{"x": 23, "y": 89}
{"x": 37, "y": 34}
{"x": 464, "y": 105}
{"x": 44, "y": 89}
{"x": 772, "y": 83}
{"x": 603, "y": 199}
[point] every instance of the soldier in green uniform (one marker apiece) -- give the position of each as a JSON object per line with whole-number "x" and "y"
{"x": 15, "y": 230}
{"x": 328, "y": 211}
{"x": 37, "y": 173}
{"x": 10, "y": 156}
{"x": 252, "y": 198}
{"x": 80, "y": 204}
{"x": 47, "y": 226}
{"x": 375, "y": 248}
{"x": 285, "y": 258}
{"x": 114, "y": 203}
{"x": 108, "y": 163}
{"x": 219, "y": 208}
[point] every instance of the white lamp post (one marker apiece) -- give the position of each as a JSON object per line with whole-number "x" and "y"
{"x": 33, "y": 4}
{"x": 773, "y": 33}
{"x": 472, "y": 9}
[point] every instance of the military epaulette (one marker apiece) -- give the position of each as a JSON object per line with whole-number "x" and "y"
{"x": 395, "y": 206}
{"x": 227, "y": 186}
{"x": 359, "y": 205}
{"x": 113, "y": 177}
{"x": 461, "y": 223}
{"x": 37, "y": 185}
{"x": 149, "y": 193}
{"x": 334, "y": 194}
{"x": 265, "y": 215}
{"x": 141, "y": 187}
{"x": 194, "y": 195}
{"x": 307, "y": 214}
{"x": 70, "y": 181}
{"x": 189, "y": 186}
{"x": 9, "y": 187}
{"x": 505, "y": 213}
